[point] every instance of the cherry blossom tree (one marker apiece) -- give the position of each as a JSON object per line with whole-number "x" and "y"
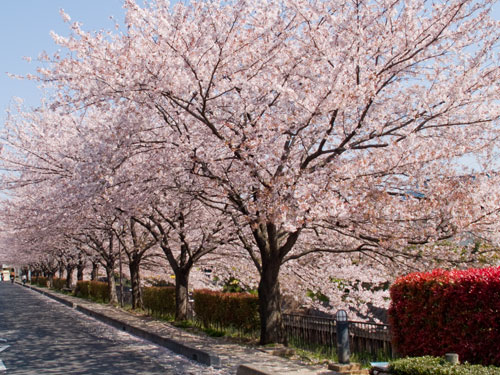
{"x": 52, "y": 198}
{"x": 103, "y": 172}
{"x": 136, "y": 243}
{"x": 321, "y": 126}
{"x": 186, "y": 230}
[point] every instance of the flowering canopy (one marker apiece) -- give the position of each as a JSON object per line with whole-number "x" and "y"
{"x": 313, "y": 125}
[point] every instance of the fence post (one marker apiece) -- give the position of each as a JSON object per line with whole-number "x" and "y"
{"x": 343, "y": 351}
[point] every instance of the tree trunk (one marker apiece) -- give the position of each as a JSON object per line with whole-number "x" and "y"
{"x": 95, "y": 270}
{"x": 69, "y": 275}
{"x": 135, "y": 280}
{"x": 61, "y": 272}
{"x": 273, "y": 246}
{"x": 110, "y": 273}
{"x": 79, "y": 272}
{"x": 271, "y": 322}
{"x": 50, "y": 282}
{"x": 181, "y": 293}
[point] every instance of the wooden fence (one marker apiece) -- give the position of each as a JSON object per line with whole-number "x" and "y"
{"x": 311, "y": 332}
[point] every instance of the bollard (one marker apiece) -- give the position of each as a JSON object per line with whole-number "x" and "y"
{"x": 343, "y": 351}
{"x": 451, "y": 358}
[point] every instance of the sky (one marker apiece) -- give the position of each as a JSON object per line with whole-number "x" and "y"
{"x": 25, "y": 27}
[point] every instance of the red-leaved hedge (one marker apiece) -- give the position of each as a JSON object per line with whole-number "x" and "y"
{"x": 58, "y": 284}
{"x": 238, "y": 310}
{"x": 94, "y": 290}
{"x": 159, "y": 301}
{"x": 40, "y": 281}
{"x": 438, "y": 312}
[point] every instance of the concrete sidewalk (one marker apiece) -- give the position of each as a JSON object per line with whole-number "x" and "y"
{"x": 238, "y": 359}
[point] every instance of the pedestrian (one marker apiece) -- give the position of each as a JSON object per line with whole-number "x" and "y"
{"x": 23, "y": 278}
{"x": 12, "y": 278}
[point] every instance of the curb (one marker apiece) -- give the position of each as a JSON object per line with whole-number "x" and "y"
{"x": 194, "y": 354}
{"x": 263, "y": 369}
{"x": 247, "y": 369}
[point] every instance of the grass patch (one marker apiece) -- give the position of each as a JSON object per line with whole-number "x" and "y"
{"x": 213, "y": 332}
{"x": 184, "y": 324}
{"x": 229, "y": 333}
{"x": 318, "y": 354}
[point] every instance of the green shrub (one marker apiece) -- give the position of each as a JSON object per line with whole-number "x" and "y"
{"x": 428, "y": 365}
{"x": 232, "y": 285}
{"x": 94, "y": 290}
{"x": 236, "y": 310}
{"x": 58, "y": 284}
{"x": 159, "y": 301}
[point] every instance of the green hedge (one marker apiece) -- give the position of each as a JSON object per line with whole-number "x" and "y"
{"x": 58, "y": 284}
{"x": 237, "y": 310}
{"x": 437, "y": 366}
{"x": 94, "y": 290}
{"x": 159, "y": 301}
{"x": 40, "y": 281}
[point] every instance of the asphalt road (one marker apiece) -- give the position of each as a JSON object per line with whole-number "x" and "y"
{"x": 41, "y": 336}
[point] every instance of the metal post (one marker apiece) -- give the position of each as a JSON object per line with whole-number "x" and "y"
{"x": 343, "y": 351}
